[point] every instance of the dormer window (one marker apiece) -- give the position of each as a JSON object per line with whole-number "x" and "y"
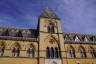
{"x": 92, "y": 38}
{"x": 51, "y": 28}
{"x": 66, "y": 37}
{"x": 85, "y": 39}
{"x": 77, "y": 38}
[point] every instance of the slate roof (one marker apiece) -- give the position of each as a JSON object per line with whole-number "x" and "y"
{"x": 70, "y": 38}
{"x": 18, "y": 34}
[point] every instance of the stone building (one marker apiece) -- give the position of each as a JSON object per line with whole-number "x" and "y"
{"x": 47, "y": 44}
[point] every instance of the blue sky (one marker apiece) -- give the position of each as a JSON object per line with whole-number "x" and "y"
{"x": 76, "y": 15}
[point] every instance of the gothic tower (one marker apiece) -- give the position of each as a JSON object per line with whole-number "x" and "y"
{"x": 51, "y": 40}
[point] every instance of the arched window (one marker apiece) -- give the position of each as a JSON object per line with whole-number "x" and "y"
{"x": 51, "y": 28}
{"x": 48, "y": 52}
{"x": 30, "y": 51}
{"x": 72, "y": 52}
{"x": 2, "y": 47}
{"x": 16, "y": 50}
{"x": 52, "y": 52}
{"x": 56, "y": 53}
{"x": 92, "y": 52}
{"x": 82, "y": 52}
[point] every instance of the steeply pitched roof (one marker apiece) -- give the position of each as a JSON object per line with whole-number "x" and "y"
{"x": 69, "y": 38}
{"x": 48, "y": 13}
{"x": 18, "y": 33}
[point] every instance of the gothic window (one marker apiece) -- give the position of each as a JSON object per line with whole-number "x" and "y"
{"x": 72, "y": 52}
{"x": 16, "y": 50}
{"x": 48, "y": 52}
{"x": 82, "y": 53}
{"x": 2, "y": 47}
{"x": 92, "y": 52}
{"x": 30, "y": 51}
{"x": 51, "y": 28}
{"x": 52, "y": 52}
{"x": 56, "y": 53}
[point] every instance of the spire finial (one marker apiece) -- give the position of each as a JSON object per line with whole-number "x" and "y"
{"x": 48, "y": 13}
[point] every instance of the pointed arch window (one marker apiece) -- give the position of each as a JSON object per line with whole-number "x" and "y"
{"x": 51, "y": 28}
{"x": 82, "y": 52}
{"x": 92, "y": 52}
{"x": 2, "y": 47}
{"x": 16, "y": 50}
{"x": 48, "y": 52}
{"x": 52, "y": 52}
{"x": 30, "y": 51}
{"x": 56, "y": 53}
{"x": 72, "y": 52}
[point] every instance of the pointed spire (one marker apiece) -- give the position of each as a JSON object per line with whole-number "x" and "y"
{"x": 48, "y": 13}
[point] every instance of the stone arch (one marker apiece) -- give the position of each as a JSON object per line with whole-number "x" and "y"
{"x": 49, "y": 37}
{"x": 52, "y": 21}
{"x": 81, "y": 48}
{"x": 71, "y": 51}
{"x": 16, "y": 45}
{"x": 70, "y": 47}
{"x": 31, "y": 45}
{"x": 82, "y": 52}
{"x": 92, "y": 52}
{"x": 55, "y": 48}
{"x": 91, "y": 48}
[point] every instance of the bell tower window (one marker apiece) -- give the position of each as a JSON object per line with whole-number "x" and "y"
{"x": 51, "y": 28}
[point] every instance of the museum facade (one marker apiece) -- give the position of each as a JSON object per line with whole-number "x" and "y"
{"x": 47, "y": 44}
